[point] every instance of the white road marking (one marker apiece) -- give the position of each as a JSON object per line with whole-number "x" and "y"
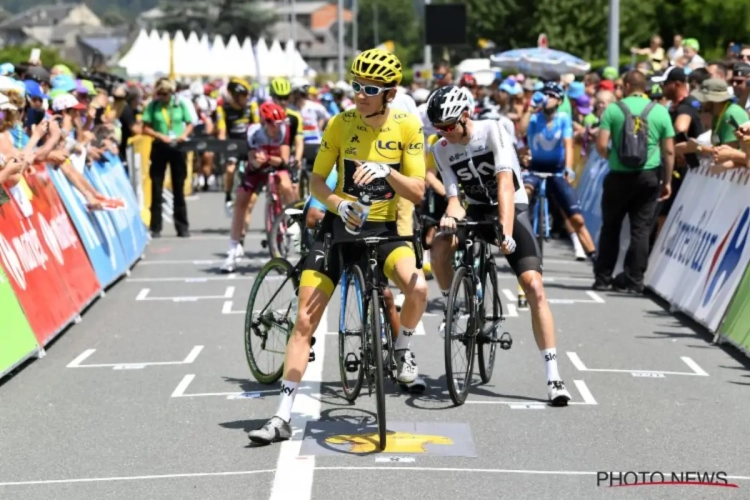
{"x": 294, "y": 473}
{"x": 583, "y": 389}
{"x": 527, "y": 406}
{"x": 509, "y": 295}
{"x": 697, "y": 370}
{"x": 143, "y": 296}
{"x": 694, "y": 366}
{"x": 595, "y": 296}
{"x": 182, "y": 387}
{"x": 390, "y": 470}
{"x": 512, "y": 311}
{"x": 76, "y": 363}
{"x": 228, "y": 277}
{"x": 227, "y": 308}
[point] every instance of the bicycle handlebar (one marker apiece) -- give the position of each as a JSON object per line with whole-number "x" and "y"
{"x": 546, "y": 175}
{"x": 371, "y": 241}
{"x": 468, "y": 223}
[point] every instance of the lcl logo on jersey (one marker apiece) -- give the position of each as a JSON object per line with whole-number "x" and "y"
{"x": 389, "y": 149}
{"x": 390, "y": 145}
{"x": 415, "y": 149}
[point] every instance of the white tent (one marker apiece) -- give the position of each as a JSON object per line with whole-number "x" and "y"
{"x": 233, "y": 57}
{"x": 192, "y": 48}
{"x": 203, "y": 56}
{"x": 217, "y": 62}
{"x": 136, "y": 53}
{"x": 262, "y": 57}
{"x": 247, "y": 63}
{"x": 301, "y": 67}
{"x": 161, "y": 56}
{"x": 279, "y": 65}
{"x": 181, "y": 57}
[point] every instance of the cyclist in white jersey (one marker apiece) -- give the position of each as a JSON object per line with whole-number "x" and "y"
{"x": 480, "y": 158}
{"x": 314, "y": 117}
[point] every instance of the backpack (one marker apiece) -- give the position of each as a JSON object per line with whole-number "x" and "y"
{"x": 633, "y": 148}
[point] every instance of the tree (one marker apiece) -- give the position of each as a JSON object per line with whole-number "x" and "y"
{"x": 17, "y": 54}
{"x": 396, "y": 21}
{"x": 113, "y": 18}
{"x": 242, "y": 18}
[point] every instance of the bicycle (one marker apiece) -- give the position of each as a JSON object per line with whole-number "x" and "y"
{"x": 376, "y": 357}
{"x": 475, "y": 268}
{"x": 273, "y": 209}
{"x": 261, "y": 323}
{"x": 284, "y": 238}
{"x": 540, "y": 210}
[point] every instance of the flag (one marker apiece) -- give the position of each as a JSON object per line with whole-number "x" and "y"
{"x": 387, "y": 45}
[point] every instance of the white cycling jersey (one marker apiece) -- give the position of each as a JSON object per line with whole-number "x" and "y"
{"x": 475, "y": 166}
{"x": 312, "y": 112}
{"x": 426, "y": 124}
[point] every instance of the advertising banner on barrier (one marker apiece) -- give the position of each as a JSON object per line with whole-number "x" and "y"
{"x": 101, "y": 242}
{"x": 702, "y": 252}
{"x": 736, "y": 325}
{"x": 32, "y": 271}
{"x": 52, "y": 221}
{"x": 114, "y": 174}
{"x": 17, "y": 341}
{"x": 97, "y": 175}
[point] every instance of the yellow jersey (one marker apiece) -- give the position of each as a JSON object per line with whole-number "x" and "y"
{"x": 430, "y": 160}
{"x": 399, "y": 143}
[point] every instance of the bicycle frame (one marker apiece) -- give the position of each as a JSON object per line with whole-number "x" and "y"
{"x": 541, "y": 205}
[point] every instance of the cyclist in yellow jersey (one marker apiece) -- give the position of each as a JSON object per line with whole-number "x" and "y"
{"x": 380, "y": 151}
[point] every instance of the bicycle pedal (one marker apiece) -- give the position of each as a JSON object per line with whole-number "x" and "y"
{"x": 505, "y": 341}
{"x": 264, "y": 243}
{"x": 522, "y": 302}
{"x": 312, "y": 356}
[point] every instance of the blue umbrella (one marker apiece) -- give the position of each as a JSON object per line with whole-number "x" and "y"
{"x": 542, "y": 62}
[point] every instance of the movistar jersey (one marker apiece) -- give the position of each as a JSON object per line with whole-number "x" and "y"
{"x": 546, "y": 140}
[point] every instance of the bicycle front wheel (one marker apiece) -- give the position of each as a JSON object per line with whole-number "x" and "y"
{"x": 352, "y": 344}
{"x": 376, "y": 346}
{"x": 460, "y": 337}
{"x": 492, "y": 308}
{"x": 269, "y": 319}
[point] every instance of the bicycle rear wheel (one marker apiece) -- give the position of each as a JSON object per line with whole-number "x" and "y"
{"x": 492, "y": 308}
{"x": 541, "y": 223}
{"x": 352, "y": 343}
{"x": 460, "y": 307}
{"x": 286, "y": 234}
{"x": 269, "y": 319}
{"x": 376, "y": 345}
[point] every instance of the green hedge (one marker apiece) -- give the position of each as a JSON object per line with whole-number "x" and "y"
{"x": 17, "y": 54}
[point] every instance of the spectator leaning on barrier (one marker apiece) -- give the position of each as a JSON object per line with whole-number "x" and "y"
{"x": 740, "y": 80}
{"x": 124, "y": 113}
{"x": 686, "y": 120}
{"x": 631, "y": 189}
{"x": 170, "y": 123}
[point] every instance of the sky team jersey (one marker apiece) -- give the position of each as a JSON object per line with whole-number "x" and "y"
{"x": 547, "y": 143}
{"x": 475, "y": 166}
{"x": 399, "y": 143}
{"x": 312, "y": 112}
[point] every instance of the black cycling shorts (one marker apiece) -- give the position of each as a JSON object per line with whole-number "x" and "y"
{"x": 309, "y": 153}
{"x": 314, "y": 273}
{"x": 527, "y": 257}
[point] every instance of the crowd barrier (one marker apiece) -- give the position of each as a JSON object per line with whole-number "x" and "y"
{"x": 700, "y": 257}
{"x": 57, "y": 256}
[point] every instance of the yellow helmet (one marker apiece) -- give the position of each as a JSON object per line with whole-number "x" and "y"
{"x": 281, "y": 87}
{"x": 239, "y": 86}
{"x": 378, "y": 65}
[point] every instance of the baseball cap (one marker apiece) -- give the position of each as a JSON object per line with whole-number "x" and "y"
{"x": 610, "y": 73}
{"x": 34, "y": 90}
{"x": 673, "y": 74}
{"x": 607, "y": 85}
{"x": 692, "y": 43}
{"x": 5, "y": 103}
{"x": 742, "y": 70}
{"x": 66, "y": 101}
{"x": 713, "y": 90}
{"x": 583, "y": 104}
{"x": 576, "y": 90}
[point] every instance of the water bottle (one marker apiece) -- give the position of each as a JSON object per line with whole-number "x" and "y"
{"x": 362, "y": 207}
{"x": 479, "y": 289}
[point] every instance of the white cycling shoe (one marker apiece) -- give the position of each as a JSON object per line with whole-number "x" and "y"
{"x": 406, "y": 367}
{"x": 557, "y": 393}
{"x": 399, "y": 301}
{"x": 234, "y": 255}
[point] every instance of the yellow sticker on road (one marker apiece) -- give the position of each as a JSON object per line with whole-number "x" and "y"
{"x": 397, "y": 442}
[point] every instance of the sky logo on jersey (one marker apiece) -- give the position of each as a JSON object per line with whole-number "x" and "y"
{"x": 689, "y": 244}
{"x": 730, "y": 251}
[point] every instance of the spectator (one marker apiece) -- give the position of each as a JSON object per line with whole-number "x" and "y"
{"x": 631, "y": 191}
{"x": 686, "y": 120}
{"x": 675, "y": 53}
{"x": 740, "y": 78}
{"x": 654, "y": 52}
{"x": 170, "y": 123}
{"x": 745, "y": 54}
{"x": 719, "y": 111}
{"x": 442, "y": 74}
{"x": 125, "y": 115}
{"x": 591, "y": 81}
{"x": 691, "y": 48}
{"x": 717, "y": 69}
{"x": 697, "y": 77}
{"x": 610, "y": 73}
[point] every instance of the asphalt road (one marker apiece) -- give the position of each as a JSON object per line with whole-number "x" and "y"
{"x": 652, "y": 394}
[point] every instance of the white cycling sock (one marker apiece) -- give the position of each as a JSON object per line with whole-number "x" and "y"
{"x": 287, "y": 393}
{"x": 576, "y": 244}
{"x": 550, "y": 362}
{"x": 403, "y": 341}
